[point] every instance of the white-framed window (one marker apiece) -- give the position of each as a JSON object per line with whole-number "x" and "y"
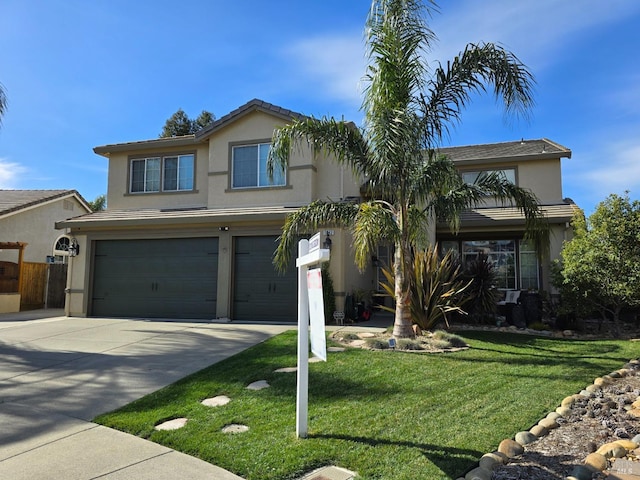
{"x": 502, "y": 253}
{"x": 515, "y": 260}
{"x": 249, "y": 167}
{"x": 471, "y": 177}
{"x": 172, "y": 173}
{"x": 528, "y": 266}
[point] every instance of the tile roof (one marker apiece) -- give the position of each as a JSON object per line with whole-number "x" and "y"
{"x": 110, "y": 218}
{"x": 199, "y": 137}
{"x": 185, "y": 140}
{"x": 250, "y": 106}
{"x": 517, "y": 150}
{"x": 507, "y": 216}
{"x": 15, "y": 200}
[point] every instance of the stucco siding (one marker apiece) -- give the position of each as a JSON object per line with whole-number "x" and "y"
{"x": 36, "y": 226}
{"x": 118, "y": 196}
{"x": 256, "y": 127}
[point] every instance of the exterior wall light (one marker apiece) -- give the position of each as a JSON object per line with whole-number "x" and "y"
{"x": 74, "y": 248}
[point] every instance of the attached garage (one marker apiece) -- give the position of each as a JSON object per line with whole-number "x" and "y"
{"x": 259, "y": 291}
{"x": 156, "y": 278}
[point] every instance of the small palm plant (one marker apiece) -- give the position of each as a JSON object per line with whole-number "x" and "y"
{"x": 482, "y": 292}
{"x": 437, "y": 288}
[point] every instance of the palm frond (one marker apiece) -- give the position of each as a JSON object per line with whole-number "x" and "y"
{"x": 306, "y": 220}
{"x": 3, "y": 103}
{"x": 478, "y": 66}
{"x": 374, "y": 224}
{"x": 343, "y": 140}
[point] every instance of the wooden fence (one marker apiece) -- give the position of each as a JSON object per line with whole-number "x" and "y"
{"x": 34, "y": 285}
{"x": 42, "y": 284}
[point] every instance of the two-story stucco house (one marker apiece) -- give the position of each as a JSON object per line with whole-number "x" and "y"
{"x": 192, "y": 222}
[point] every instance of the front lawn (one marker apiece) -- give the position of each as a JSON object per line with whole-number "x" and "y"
{"x": 387, "y": 415}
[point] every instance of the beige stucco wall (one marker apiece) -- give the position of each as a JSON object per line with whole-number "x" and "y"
{"x": 334, "y": 181}
{"x": 78, "y": 278}
{"x": 36, "y": 226}
{"x": 256, "y": 127}
{"x": 119, "y": 198}
{"x": 543, "y": 177}
{"x": 9, "y": 302}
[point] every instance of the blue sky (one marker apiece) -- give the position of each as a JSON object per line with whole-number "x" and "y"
{"x": 79, "y": 74}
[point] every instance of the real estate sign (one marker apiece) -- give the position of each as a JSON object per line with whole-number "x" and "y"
{"x": 316, "y": 314}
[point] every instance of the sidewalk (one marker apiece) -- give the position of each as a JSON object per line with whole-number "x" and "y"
{"x": 58, "y": 373}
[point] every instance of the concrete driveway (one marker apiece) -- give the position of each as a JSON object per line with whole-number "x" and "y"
{"x": 57, "y": 373}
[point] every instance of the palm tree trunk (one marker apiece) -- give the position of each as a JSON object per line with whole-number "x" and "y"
{"x": 402, "y": 326}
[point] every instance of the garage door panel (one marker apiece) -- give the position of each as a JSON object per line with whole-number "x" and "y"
{"x": 260, "y": 292}
{"x": 156, "y": 278}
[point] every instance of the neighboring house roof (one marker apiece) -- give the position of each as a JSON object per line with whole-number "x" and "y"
{"x": 174, "y": 216}
{"x": 201, "y": 136}
{"x": 506, "y": 151}
{"x": 13, "y": 201}
{"x": 512, "y": 216}
{"x": 251, "y": 106}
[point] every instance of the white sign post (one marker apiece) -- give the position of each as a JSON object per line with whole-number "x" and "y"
{"x": 306, "y": 257}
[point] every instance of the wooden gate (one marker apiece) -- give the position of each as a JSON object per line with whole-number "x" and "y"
{"x": 33, "y": 283}
{"x": 57, "y": 284}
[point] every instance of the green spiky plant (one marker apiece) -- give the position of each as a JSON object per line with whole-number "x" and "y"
{"x": 436, "y": 290}
{"x": 482, "y": 293}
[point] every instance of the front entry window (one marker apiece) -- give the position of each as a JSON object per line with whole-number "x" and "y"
{"x": 503, "y": 255}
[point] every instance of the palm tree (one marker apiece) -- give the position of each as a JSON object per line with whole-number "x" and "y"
{"x": 408, "y": 110}
{"x": 3, "y": 103}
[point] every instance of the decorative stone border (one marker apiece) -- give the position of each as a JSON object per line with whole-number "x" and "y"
{"x": 598, "y": 461}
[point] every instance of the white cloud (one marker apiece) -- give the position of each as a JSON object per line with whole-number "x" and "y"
{"x": 535, "y": 31}
{"x": 10, "y": 173}
{"x": 333, "y": 63}
{"x": 614, "y": 168}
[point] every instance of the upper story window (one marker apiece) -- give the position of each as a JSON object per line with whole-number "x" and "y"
{"x": 471, "y": 177}
{"x": 249, "y": 167}
{"x": 162, "y": 174}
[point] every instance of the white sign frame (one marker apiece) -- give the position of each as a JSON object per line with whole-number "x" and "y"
{"x": 305, "y": 258}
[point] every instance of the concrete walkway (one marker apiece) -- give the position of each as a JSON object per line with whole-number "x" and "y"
{"x": 58, "y": 373}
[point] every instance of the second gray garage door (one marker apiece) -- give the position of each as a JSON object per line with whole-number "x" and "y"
{"x": 160, "y": 278}
{"x": 259, "y": 291}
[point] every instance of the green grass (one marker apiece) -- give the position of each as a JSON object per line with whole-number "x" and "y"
{"x": 387, "y": 415}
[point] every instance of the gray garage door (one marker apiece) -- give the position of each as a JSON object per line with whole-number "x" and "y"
{"x": 168, "y": 278}
{"x": 259, "y": 291}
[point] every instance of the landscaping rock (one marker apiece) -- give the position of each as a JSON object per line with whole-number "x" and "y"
{"x": 581, "y": 472}
{"x": 597, "y": 461}
{"x": 489, "y": 461}
{"x": 259, "y": 385}
{"x": 174, "y": 424}
{"x": 335, "y": 349}
{"x": 548, "y": 423}
{"x": 612, "y": 450}
{"x": 287, "y": 370}
{"x": 510, "y": 448}
{"x": 539, "y": 431}
{"x": 478, "y": 473}
{"x": 216, "y": 401}
{"x": 554, "y": 415}
{"x": 235, "y": 428}
{"x": 562, "y": 412}
{"x": 525, "y": 438}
